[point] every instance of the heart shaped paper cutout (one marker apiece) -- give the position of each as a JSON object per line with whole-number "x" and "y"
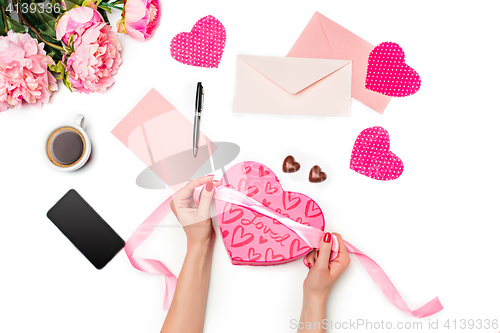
{"x": 371, "y": 156}
{"x": 254, "y": 239}
{"x": 203, "y": 46}
{"x": 388, "y": 73}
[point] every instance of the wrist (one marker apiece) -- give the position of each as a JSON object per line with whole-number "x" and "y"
{"x": 313, "y": 308}
{"x": 315, "y": 299}
{"x": 200, "y": 247}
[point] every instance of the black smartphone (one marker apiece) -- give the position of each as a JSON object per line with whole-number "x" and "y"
{"x": 81, "y": 224}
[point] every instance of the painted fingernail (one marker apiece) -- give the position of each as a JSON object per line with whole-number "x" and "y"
{"x": 209, "y": 186}
{"x": 327, "y": 238}
{"x": 309, "y": 265}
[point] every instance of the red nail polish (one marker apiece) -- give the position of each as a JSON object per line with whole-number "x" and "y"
{"x": 209, "y": 186}
{"x": 327, "y": 238}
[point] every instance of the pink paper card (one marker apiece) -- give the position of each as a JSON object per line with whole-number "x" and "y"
{"x": 156, "y": 132}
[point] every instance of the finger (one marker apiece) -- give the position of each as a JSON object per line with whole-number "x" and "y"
{"x": 324, "y": 250}
{"x": 187, "y": 191}
{"x": 343, "y": 256}
{"x": 342, "y": 248}
{"x": 205, "y": 200}
{"x": 310, "y": 258}
{"x": 172, "y": 206}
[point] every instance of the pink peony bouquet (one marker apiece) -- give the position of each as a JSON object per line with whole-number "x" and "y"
{"x": 93, "y": 50}
{"x": 74, "y": 43}
{"x": 24, "y": 77}
{"x": 139, "y": 18}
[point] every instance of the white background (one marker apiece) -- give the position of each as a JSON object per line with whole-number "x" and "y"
{"x": 434, "y": 230}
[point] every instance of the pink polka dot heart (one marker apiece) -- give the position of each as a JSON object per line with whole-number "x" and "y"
{"x": 371, "y": 156}
{"x": 388, "y": 73}
{"x": 203, "y": 46}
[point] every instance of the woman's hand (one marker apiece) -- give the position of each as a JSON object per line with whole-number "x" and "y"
{"x": 322, "y": 272}
{"x": 319, "y": 281}
{"x": 195, "y": 218}
{"x": 187, "y": 312}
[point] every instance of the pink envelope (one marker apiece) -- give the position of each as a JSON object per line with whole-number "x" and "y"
{"x": 292, "y": 86}
{"x": 324, "y": 39}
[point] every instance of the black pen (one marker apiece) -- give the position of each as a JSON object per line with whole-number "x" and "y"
{"x": 197, "y": 117}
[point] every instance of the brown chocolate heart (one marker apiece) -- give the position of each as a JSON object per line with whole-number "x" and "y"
{"x": 289, "y": 165}
{"x": 316, "y": 175}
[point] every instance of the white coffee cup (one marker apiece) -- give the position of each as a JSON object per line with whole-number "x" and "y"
{"x": 77, "y": 126}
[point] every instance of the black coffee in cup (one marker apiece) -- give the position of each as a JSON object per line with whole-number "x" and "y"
{"x": 65, "y": 147}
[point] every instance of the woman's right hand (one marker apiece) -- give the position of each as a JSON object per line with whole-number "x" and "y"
{"x": 323, "y": 273}
{"x": 195, "y": 218}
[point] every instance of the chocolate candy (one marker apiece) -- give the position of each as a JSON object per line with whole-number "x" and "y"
{"x": 316, "y": 175}
{"x": 289, "y": 165}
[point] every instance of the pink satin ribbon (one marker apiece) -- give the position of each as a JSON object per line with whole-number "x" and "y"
{"x": 311, "y": 236}
{"x": 151, "y": 265}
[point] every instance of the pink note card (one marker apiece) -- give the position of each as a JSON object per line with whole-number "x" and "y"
{"x": 155, "y": 131}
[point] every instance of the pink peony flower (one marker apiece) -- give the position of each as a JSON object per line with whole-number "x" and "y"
{"x": 96, "y": 50}
{"x": 76, "y": 21}
{"x": 139, "y": 18}
{"x": 23, "y": 72}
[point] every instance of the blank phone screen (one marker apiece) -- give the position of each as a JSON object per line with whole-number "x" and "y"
{"x": 81, "y": 224}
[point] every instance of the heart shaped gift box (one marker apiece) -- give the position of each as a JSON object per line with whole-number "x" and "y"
{"x": 251, "y": 238}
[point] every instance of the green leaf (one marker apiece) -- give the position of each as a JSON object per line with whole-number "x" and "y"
{"x": 68, "y": 84}
{"x": 3, "y": 17}
{"x": 51, "y": 39}
{"x": 72, "y": 3}
{"x": 42, "y": 22}
{"x": 14, "y": 25}
{"x": 103, "y": 7}
{"x": 63, "y": 74}
{"x": 57, "y": 54}
{"x": 104, "y": 15}
{"x": 58, "y": 4}
{"x": 32, "y": 34}
{"x": 53, "y": 53}
{"x": 59, "y": 68}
